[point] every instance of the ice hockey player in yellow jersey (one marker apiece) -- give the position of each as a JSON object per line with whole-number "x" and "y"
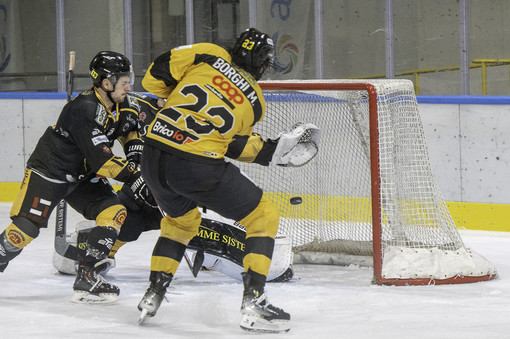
{"x": 212, "y": 99}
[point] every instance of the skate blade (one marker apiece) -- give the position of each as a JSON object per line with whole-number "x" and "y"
{"x": 254, "y": 323}
{"x": 83, "y": 297}
{"x": 144, "y": 315}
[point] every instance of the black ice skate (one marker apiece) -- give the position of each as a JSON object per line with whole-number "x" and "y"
{"x": 259, "y": 315}
{"x": 154, "y": 295}
{"x": 91, "y": 287}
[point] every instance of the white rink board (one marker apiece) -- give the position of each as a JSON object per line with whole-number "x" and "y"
{"x": 468, "y": 145}
{"x": 11, "y": 140}
{"x": 485, "y": 152}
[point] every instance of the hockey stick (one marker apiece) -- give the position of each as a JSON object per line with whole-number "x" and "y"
{"x": 195, "y": 266}
{"x": 61, "y": 245}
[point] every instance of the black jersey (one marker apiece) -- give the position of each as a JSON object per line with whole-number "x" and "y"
{"x": 80, "y": 143}
{"x": 148, "y": 110}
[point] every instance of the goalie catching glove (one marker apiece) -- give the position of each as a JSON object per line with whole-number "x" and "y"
{"x": 298, "y": 146}
{"x": 137, "y": 192}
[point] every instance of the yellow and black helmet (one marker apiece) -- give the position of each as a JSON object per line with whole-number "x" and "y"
{"x": 109, "y": 65}
{"x": 253, "y": 51}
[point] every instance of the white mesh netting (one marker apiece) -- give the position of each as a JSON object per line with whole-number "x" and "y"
{"x": 335, "y": 215}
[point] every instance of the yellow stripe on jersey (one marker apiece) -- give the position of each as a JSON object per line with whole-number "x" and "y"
{"x": 252, "y": 149}
{"x": 18, "y": 201}
{"x": 113, "y": 167}
{"x": 132, "y": 135}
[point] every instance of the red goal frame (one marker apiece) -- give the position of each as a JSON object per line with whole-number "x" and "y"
{"x": 375, "y": 180}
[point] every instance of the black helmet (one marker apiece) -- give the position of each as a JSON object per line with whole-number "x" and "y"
{"x": 253, "y": 51}
{"x": 109, "y": 65}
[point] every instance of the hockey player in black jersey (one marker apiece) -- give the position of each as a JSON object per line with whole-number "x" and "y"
{"x": 212, "y": 98}
{"x": 70, "y": 162}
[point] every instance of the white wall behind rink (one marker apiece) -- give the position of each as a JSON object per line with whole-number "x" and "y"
{"x": 469, "y": 144}
{"x": 469, "y": 147}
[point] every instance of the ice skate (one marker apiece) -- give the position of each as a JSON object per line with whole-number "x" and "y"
{"x": 91, "y": 287}
{"x": 259, "y": 315}
{"x": 154, "y": 296}
{"x": 150, "y": 303}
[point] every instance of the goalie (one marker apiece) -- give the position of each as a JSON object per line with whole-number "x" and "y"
{"x": 219, "y": 244}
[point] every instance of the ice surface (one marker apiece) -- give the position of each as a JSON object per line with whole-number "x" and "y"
{"x": 324, "y": 301}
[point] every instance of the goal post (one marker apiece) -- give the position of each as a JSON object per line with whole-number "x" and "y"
{"x": 369, "y": 195}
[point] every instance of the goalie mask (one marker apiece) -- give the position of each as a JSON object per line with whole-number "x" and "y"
{"x": 110, "y": 65}
{"x": 253, "y": 51}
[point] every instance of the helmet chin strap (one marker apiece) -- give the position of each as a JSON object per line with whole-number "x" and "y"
{"x": 109, "y": 93}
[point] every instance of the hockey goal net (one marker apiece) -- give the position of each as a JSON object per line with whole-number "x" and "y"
{"x": 370, "y": 192}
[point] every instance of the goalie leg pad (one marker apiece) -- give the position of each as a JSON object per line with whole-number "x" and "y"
{"x": 280, "y": 263}
{"x": 65, "y": 264}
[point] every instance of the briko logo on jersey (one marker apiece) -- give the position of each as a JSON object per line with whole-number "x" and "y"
{"x": 168, "y": 131}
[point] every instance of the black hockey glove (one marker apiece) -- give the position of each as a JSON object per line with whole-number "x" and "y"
{"x": 133, "y": 150}
{"x": 137, "y": 191}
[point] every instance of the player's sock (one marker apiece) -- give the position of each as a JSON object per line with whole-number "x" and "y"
{"x": 7, "y": 251}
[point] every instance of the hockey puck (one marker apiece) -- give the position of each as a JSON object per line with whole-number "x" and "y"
{"x": 296, "y": 200}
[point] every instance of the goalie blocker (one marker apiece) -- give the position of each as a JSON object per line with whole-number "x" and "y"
{"x": 219, "y": 240}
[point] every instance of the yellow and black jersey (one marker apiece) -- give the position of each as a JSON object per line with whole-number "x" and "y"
{"x": 209, "y": 102}
{"x": 80, "y": 143}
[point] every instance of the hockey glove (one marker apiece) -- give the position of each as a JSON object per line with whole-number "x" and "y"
{"x": 298, "y": 146}
{"x": 137, "y": 191}
{"x": 133, "y": 150}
